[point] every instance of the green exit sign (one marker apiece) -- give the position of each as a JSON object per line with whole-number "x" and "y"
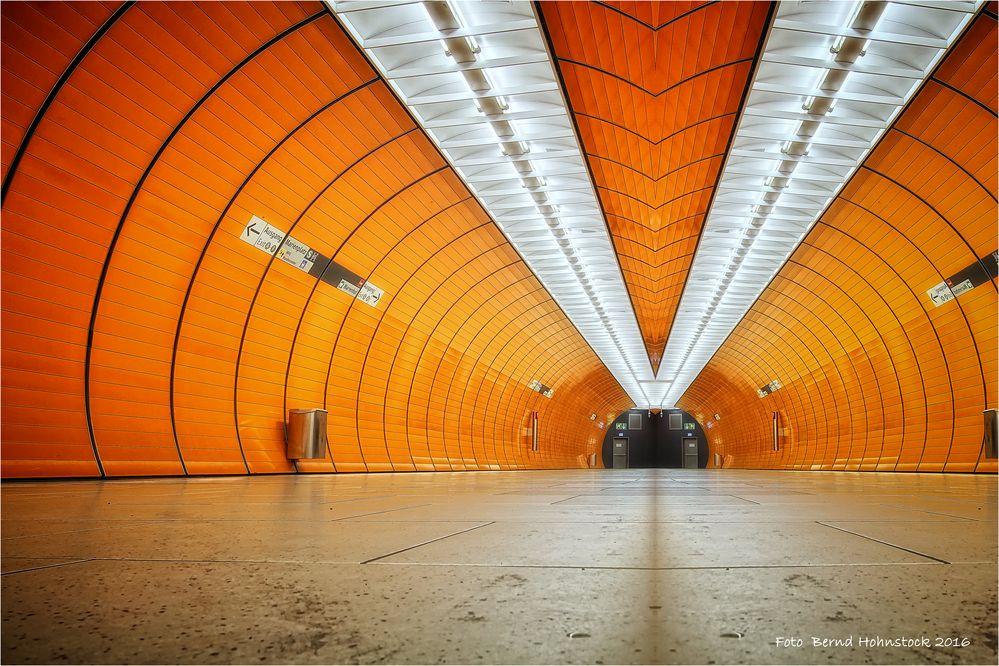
{"x": 688, "y": 426}
{"x": 620, "y": 426}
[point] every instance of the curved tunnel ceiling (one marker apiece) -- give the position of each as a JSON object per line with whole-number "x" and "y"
{"x": 715, "y": 134}
{"x": 151, "y": 323}
{"x": 871, "y": 372}
{"x": 655, "y": 120}
{"x": 215, "y": 212}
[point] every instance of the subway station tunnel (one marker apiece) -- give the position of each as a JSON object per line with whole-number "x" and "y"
{"x": 687, "y": 310}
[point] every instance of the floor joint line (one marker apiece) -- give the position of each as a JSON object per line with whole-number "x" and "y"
{"x": 886, "y": 543}
{"x": 427, "y": 543}
{"x": 375, "y": 513}
{"x": 718, "y": 567}
{"x": 747, "y": 500}
{"x": 935, "y": 513}
{"x": 46, "y": 566}
{"x": 564, "y": 500}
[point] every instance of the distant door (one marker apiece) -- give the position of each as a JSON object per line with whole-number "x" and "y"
{"x": 620, "y": 453}
{"x": 689, "y": 453}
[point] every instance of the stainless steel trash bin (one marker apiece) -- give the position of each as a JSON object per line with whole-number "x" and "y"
{"x": 306, "y": 433}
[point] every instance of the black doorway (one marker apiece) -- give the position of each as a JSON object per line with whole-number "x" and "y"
{"x": 655, "y": 439}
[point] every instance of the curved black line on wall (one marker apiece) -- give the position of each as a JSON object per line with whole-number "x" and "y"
{"x": 333, "y": 255}
{"x": 833, "y": 362}
{"x": 950, "y": 159}
{"x": 22, "y": 148}
{"x": 381, "y": 317}
{"x": 211, "y": 237}
{"x": 457, "y": 329}
{"x": 922, "y": 304}
{"x": 447, "y": 312}
{"x": 409, "y": 325}
{"x": 552, "y": 370}
{"x": 272, "y": 258}
{"x": 958, "y": 91}
{"x": 479, "y": 360}
{"x": 131, "y": 201}
{"x": 846, "y": 354}
{"x": 768, "y": 354}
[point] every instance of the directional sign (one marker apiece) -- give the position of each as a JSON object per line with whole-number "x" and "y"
{"x": 978, "y": 273}
{"x": 535, "y": 385}
{"x": 277, "y": 243}
{"x": 262, "y": 235}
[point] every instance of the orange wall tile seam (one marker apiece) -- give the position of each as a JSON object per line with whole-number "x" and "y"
{"x": 875, "y": 376}
{"x": 129, "y": 300}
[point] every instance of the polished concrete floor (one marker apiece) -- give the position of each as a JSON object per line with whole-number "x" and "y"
{"x": 600, "y": 567}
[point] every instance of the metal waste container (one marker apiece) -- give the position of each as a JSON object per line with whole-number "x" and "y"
{"x": 306, "y": 433}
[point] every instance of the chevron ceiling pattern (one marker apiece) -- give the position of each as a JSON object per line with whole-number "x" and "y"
{"x": 655, "y": 121}
{"x": 655, "y": 163}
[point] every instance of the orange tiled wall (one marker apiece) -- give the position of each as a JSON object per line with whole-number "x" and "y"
{"x": 875, "y": 377}
{"x": 142, "y": 336}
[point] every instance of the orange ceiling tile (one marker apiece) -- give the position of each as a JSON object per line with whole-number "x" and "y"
{"x": 655, "y": 121}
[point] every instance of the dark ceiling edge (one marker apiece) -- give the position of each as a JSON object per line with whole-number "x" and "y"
{"x": 655, "y": 95}
{"x": 586, "y": 164}
{"x": 846, "y": 184}
{"x": 650, "y": 26}
{"x": 764, "y": 37}
{"x": 54, "y": 92}
{"x": 423, "y": 131}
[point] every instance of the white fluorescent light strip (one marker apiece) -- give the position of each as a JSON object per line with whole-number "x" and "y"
{"x": 736, "y": 258}
{"x": 494, "y": 107}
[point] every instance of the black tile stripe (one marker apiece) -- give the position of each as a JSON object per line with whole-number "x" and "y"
{"x": 95, "y": 308}
{"x": 654, "y": 95}
{"x": 651, "y": 27}
{"x": 513, "y": 332}
{"x": 211, "y": 237}
{"x": 418, "y": 313}
{"x": 317, "y": 280}
{"x": 888, "y": 308}
{"x": 50, "y": 97}
{"x": 484, "y": 279}
{"x": 833, "y": 356}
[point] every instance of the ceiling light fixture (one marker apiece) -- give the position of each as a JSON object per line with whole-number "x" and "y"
{"x": 832, "y": 79}
{"x": 491, "y": 101}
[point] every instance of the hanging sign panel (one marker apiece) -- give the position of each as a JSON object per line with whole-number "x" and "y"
{"x": 276, "y": 243}
{"x": 764, "y": 391}
{"x": 535, "y": 385}
{"x": 978, "y": 273}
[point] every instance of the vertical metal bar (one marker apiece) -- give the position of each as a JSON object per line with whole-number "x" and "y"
{"x": 776, "y": 431}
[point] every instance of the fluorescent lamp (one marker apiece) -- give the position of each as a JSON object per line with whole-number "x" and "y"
{"x": 756, "y": 246}
{"x": 541, "y": 166}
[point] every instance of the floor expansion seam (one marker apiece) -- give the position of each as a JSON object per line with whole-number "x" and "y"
{"x": 886, "y": 543}
{"x": 426, "y": 543}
